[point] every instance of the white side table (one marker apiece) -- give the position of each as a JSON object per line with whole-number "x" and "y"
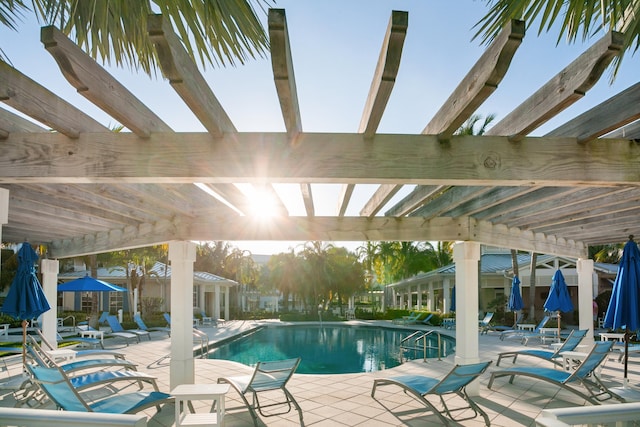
{"x": 4, "y": 329}
{"x": 526, "y": 326}
{"x": 62, "y": 354}
{"x": 186, "y": 416}
{"x": 606, "y": 336}
{"x": 92, "y": 334}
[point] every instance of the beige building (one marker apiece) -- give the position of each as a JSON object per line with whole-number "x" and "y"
{"x": 432, "y": 291}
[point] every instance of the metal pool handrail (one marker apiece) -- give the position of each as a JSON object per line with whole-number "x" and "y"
{"x": 422, "y": 335}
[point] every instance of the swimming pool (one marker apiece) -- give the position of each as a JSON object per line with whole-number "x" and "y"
{"x": 326, "y": 349}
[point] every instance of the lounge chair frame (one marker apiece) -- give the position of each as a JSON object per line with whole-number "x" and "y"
{"x": 485, "y": 324}
{"x": 584, "y": 375}
{"x": 92, "y": 379}
{"x": 35, "y": 351}
{"x": 143, "y": 326}
{"x": 118, "y": 331}
{"x": 56, "y": 385}
{"x": 267, "y": 376}
{"x": 523, "y": 334}
{"x": 572, "y": 341}
{"x": 455, "y": 382}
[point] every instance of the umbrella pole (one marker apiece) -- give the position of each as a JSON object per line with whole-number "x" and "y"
{"x": 625, "y": 380}
{"x": 559, "y": 328}
{"x": 24, "y": 344}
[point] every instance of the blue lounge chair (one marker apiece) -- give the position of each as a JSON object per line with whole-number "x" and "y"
{"x": 522, "y": 334}
{"x": 267, "y": 377}
{"x": 143, "y": 327}
{"x": 128, "y": 334}
{"x": 583, "y": 375}
{"x": 207, "y": 320}
{"x": 572, "y": 341}
{"x": 427, "y": 320}
{"x": 455, "y": 382}
{"x": 410, "y": 318}
{"x": 34, "y": 350}
{"x": 485, "y": 324}
{"x": 92, "y": 379}
{"x": 81, "y": 353}
{"x": 56, "y": 385}
{"x": 502, "y": 328}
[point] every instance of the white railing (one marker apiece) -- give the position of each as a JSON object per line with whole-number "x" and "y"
{"x": 622, "y": 414}
{"x": 51, "y": 418}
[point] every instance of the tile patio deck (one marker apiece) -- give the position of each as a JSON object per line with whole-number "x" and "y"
{"x": 345, "y": 400}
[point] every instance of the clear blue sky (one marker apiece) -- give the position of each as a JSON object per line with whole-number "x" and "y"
{"x": 335, "y": 46}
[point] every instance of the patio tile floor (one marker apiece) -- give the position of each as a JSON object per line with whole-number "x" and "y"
{"x": 345, "y": 400}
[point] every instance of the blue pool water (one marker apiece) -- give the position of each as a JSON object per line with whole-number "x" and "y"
{"x": 327, "y": 349}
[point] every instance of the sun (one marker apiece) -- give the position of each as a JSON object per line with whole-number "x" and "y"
{"x": 262, "y": 205}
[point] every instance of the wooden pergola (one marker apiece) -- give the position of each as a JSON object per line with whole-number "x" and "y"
{"x": 75, "y": 186}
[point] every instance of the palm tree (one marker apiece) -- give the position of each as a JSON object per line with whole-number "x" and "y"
{"x": 577, "y": 18}
{"x": 469, "y": 127}
{"x": 217, "y": 32}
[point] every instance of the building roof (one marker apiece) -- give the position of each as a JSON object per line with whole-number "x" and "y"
{"x": 157, "y": 272}
{"x": 501, "y": 264}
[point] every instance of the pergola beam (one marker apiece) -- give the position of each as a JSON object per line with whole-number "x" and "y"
{"x": 110, "y": 157}
{"x": 98, "y": 86}
{"x": 569, "y": 85}
{"x": 612, "y": 114}
{"x": 185, "y": 78}
{"x": 479, "y": 83}
{"x": 316, "y": 228}
{"x": 25, "y": 95}
{"x": 384, "y": 78}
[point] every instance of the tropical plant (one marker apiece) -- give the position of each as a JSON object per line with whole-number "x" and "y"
{"x": 610, "y": 254}
{"x": 217, "y": 32}
{"x": 469, "y": 126}
{"x": 576, "y": 18}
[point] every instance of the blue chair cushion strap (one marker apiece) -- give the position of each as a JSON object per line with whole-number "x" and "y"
{"x": 128, "y": 403}
{"x": 418, "y": 383}
{"x": 536, "y": 371}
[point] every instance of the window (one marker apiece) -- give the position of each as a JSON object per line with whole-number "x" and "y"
{"x": 116, "y": 301}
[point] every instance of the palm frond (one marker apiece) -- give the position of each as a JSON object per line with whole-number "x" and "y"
{"x": 216, "y": 32}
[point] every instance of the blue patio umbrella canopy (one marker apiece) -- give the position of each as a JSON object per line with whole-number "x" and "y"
{"x": 25, "y": 299}
{"x": 515, "y": 299}
{"x": 559, "y": 299}
{"x": 89, "y": 284}
{"x": 623, "y": 311}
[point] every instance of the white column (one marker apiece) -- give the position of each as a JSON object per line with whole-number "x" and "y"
{"x": 584, "y": 268}
{"x": 446, "y": 295}
{"x": 216, "y": 304}
{"x": 4, "y": 210}
{"x": 419, "y": 289}
{"x": 466, "y": 256}
{"x": 201, "y": 298}
{"x": 182, "y": 256}
{"x": 430, "y": 297}
{"x": 49, "y": 268}
{"x": 226, "y": 302}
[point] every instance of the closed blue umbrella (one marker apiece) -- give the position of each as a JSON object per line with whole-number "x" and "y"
{"x": 453, "y": 299}
{"x": 623, "y": 309}
{"x": 26, "y": 299}
{"x": 515, "y": 299}
{"x": 559, "y": 299}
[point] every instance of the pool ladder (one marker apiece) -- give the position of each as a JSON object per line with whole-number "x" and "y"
{"x": 413, "y": 342}
{"x": 202, "y": 339}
